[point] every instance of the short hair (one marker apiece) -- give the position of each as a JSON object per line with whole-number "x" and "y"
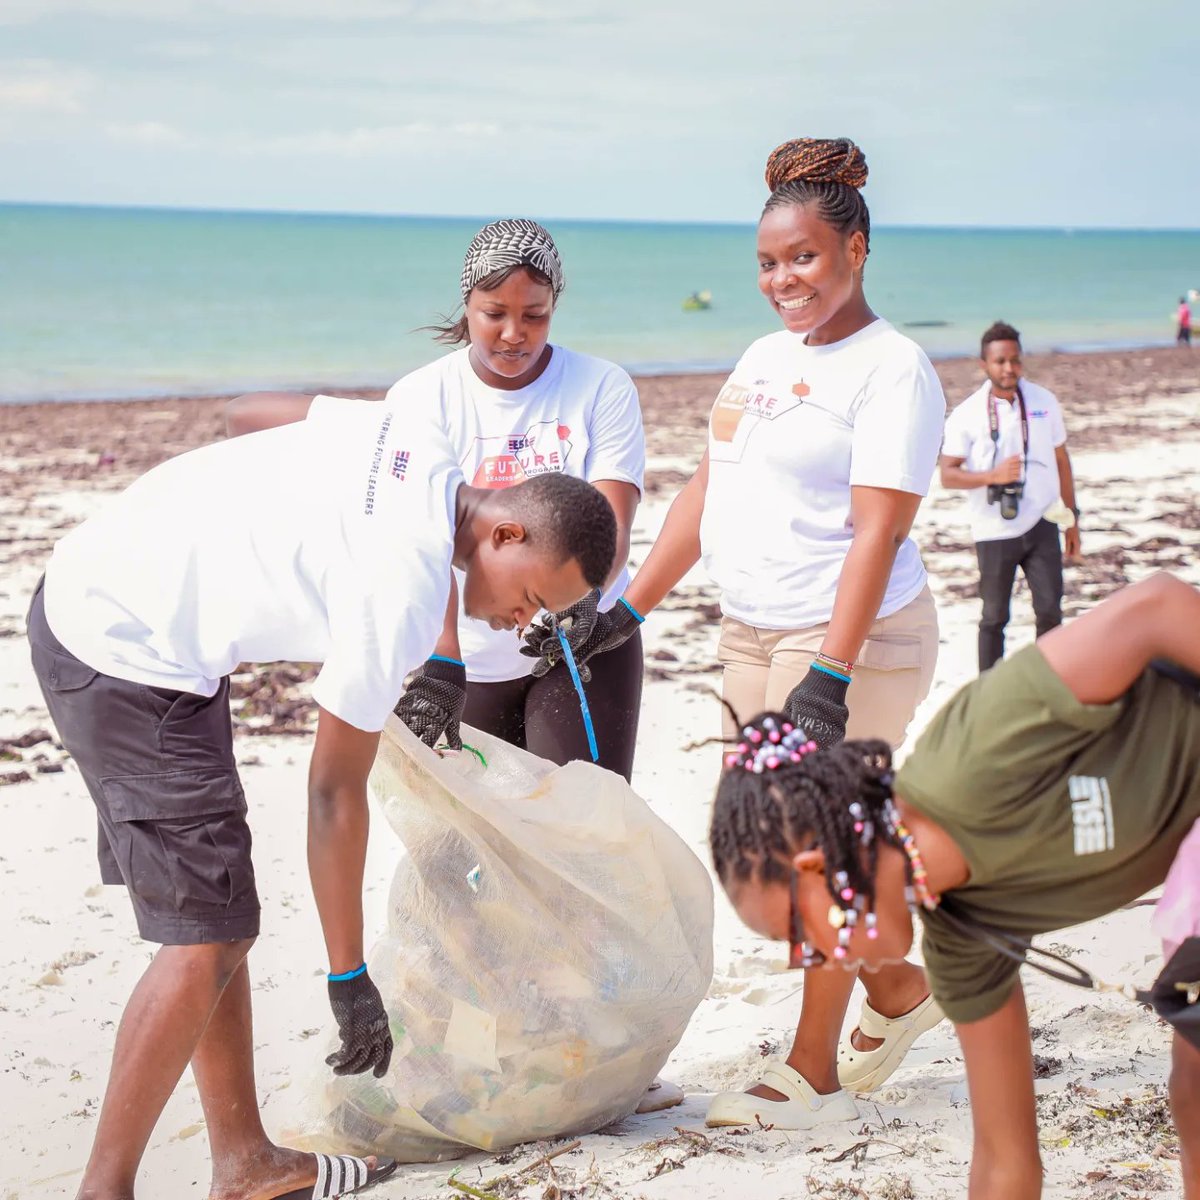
{"x": 997, "y": 331}
{"x": 571, "y": 517}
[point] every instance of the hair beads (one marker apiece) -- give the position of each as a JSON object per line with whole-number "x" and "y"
{"x": 776, "y": 743}
{"x": 839, "y": 800}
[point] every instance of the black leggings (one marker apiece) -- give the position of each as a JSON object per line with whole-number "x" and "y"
{"x": 543, "y": 715}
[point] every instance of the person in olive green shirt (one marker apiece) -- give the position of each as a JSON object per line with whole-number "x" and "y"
{"x": 1057, "y": 787}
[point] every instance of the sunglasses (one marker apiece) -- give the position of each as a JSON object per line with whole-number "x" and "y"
{"x": 800, "y": 953}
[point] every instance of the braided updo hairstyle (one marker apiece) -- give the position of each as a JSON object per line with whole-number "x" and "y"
{"x": 827, "y": 172}
{"x": 761, "y": 820}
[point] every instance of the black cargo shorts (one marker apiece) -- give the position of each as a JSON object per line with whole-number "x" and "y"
{"x": 172, "y": 815}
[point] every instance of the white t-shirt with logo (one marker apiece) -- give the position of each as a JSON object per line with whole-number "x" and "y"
{"x": 792, "y": 430}
{"x": 969, "y": 437}
{"x": 310, "y": 543}
{"x": 580, "y": 416}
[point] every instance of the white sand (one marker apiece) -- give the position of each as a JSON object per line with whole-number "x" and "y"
{"x": 70, "y": 953}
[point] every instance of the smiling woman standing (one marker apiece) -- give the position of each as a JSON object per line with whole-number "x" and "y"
{"x": 515, "y": 406}
{"x": 820, "y": 446}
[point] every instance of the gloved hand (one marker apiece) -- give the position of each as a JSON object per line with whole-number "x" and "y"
{"x": 609, "y": 630}
{"x": 434, "y": 702}
{"x": 576, "y": 622}
{"x": 363, "y": 1025}
{"x": 818, "y": 704}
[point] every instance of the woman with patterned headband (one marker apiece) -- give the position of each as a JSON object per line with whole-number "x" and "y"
{"x": 515, "y": 406}
{"x": 820, "y": 447}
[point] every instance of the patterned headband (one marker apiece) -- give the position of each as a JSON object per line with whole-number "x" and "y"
{"x": 513, "y": 242}
{"x": 771, "y": 747}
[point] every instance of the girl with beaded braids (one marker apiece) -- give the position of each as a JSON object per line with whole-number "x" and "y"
{"x": 515, "y": 406}
{"x": 1054, "y": 789}
{"x": 820, "y": 447}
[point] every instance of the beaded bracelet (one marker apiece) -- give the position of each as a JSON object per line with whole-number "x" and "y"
{"x": 838, "y": 664}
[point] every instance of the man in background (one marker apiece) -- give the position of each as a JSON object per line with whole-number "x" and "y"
{"x": 1005, "y": 445}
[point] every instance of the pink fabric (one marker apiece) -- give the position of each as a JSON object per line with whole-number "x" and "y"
{"x": 1177, "y": 914}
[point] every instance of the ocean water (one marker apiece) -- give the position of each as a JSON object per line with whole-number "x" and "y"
{"x": 109, "y": 302}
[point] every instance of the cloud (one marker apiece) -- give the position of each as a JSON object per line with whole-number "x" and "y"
{"x": 146, "y": 133}
{"x": 434, "y": 12}
{"x": 37, "y": 86}
{"x": 368, "y": 141}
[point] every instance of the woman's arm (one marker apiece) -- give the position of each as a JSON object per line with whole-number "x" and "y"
{"x": 264, "y": 410}
{"x": 677, "y": 548}
{"x": 1100, "y": 655}
{"x": 881, "y": 518}
{"x": 624, "y": 499}
{"x": 1005, "y": 1164}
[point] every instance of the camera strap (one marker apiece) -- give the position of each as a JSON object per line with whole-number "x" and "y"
{"x": 994, "y": 429}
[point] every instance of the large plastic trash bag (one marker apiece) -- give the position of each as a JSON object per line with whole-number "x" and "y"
{"x": 548, "y": 940}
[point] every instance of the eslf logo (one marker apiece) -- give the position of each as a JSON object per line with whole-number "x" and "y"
{"x": 400, "y": 464}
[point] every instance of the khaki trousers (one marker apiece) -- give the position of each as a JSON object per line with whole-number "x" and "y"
{"x": 892, "y": 675}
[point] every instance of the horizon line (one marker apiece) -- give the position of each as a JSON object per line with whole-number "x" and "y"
{"x": 221, "y": 210}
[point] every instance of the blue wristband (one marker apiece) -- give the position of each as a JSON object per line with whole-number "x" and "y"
{"x": 830, "y": 671}
{"x": 637, "y": 615}
{"x": 349, "y": 974}
{"x": 454, "y": 662}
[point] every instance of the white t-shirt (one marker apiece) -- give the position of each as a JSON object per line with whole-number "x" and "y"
{"x": 580, "y": 416}
{"x": 311, "y": 542}
{"x": 794, "y": 427}
{"x": 969, "y": 437}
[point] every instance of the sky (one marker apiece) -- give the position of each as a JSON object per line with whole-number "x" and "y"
{"x": 1028, "y": 112}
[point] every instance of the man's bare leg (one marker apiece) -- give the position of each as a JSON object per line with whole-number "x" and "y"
{"x": 246, "y": 1164}
{"x": 163, "y": 1023}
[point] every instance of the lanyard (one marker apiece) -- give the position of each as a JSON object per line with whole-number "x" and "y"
{"x": 994, "y": 428}
{"x": 1167, "y": 996}
{"x": 588, "y": 727}
{"x": 1022, "y": 951}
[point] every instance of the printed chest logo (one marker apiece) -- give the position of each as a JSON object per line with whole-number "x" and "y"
{"x": 1091, "y": 812}
{"x": 515, "y": 457}
{"x": 400, "y": 464}
{"x": 770, "y": 408}
{"x": 735, "y": 401}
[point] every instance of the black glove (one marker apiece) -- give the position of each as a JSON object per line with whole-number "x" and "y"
{"x": 434, "y": 702}
{"x": 363, "y": 1025}
{"x": 818, "y": 705}
{"x": 609, "y": 630}
{"x": 576, "y": 622}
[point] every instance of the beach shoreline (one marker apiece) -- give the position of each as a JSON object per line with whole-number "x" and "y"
{"x": 1065, "y": 371}
{"x": 71, "y": 953}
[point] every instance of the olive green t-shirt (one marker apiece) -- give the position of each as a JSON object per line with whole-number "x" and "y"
{"x": 1064, "y": 811}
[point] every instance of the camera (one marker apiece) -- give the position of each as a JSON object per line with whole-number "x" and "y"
{"x": 1008, "y": 496}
